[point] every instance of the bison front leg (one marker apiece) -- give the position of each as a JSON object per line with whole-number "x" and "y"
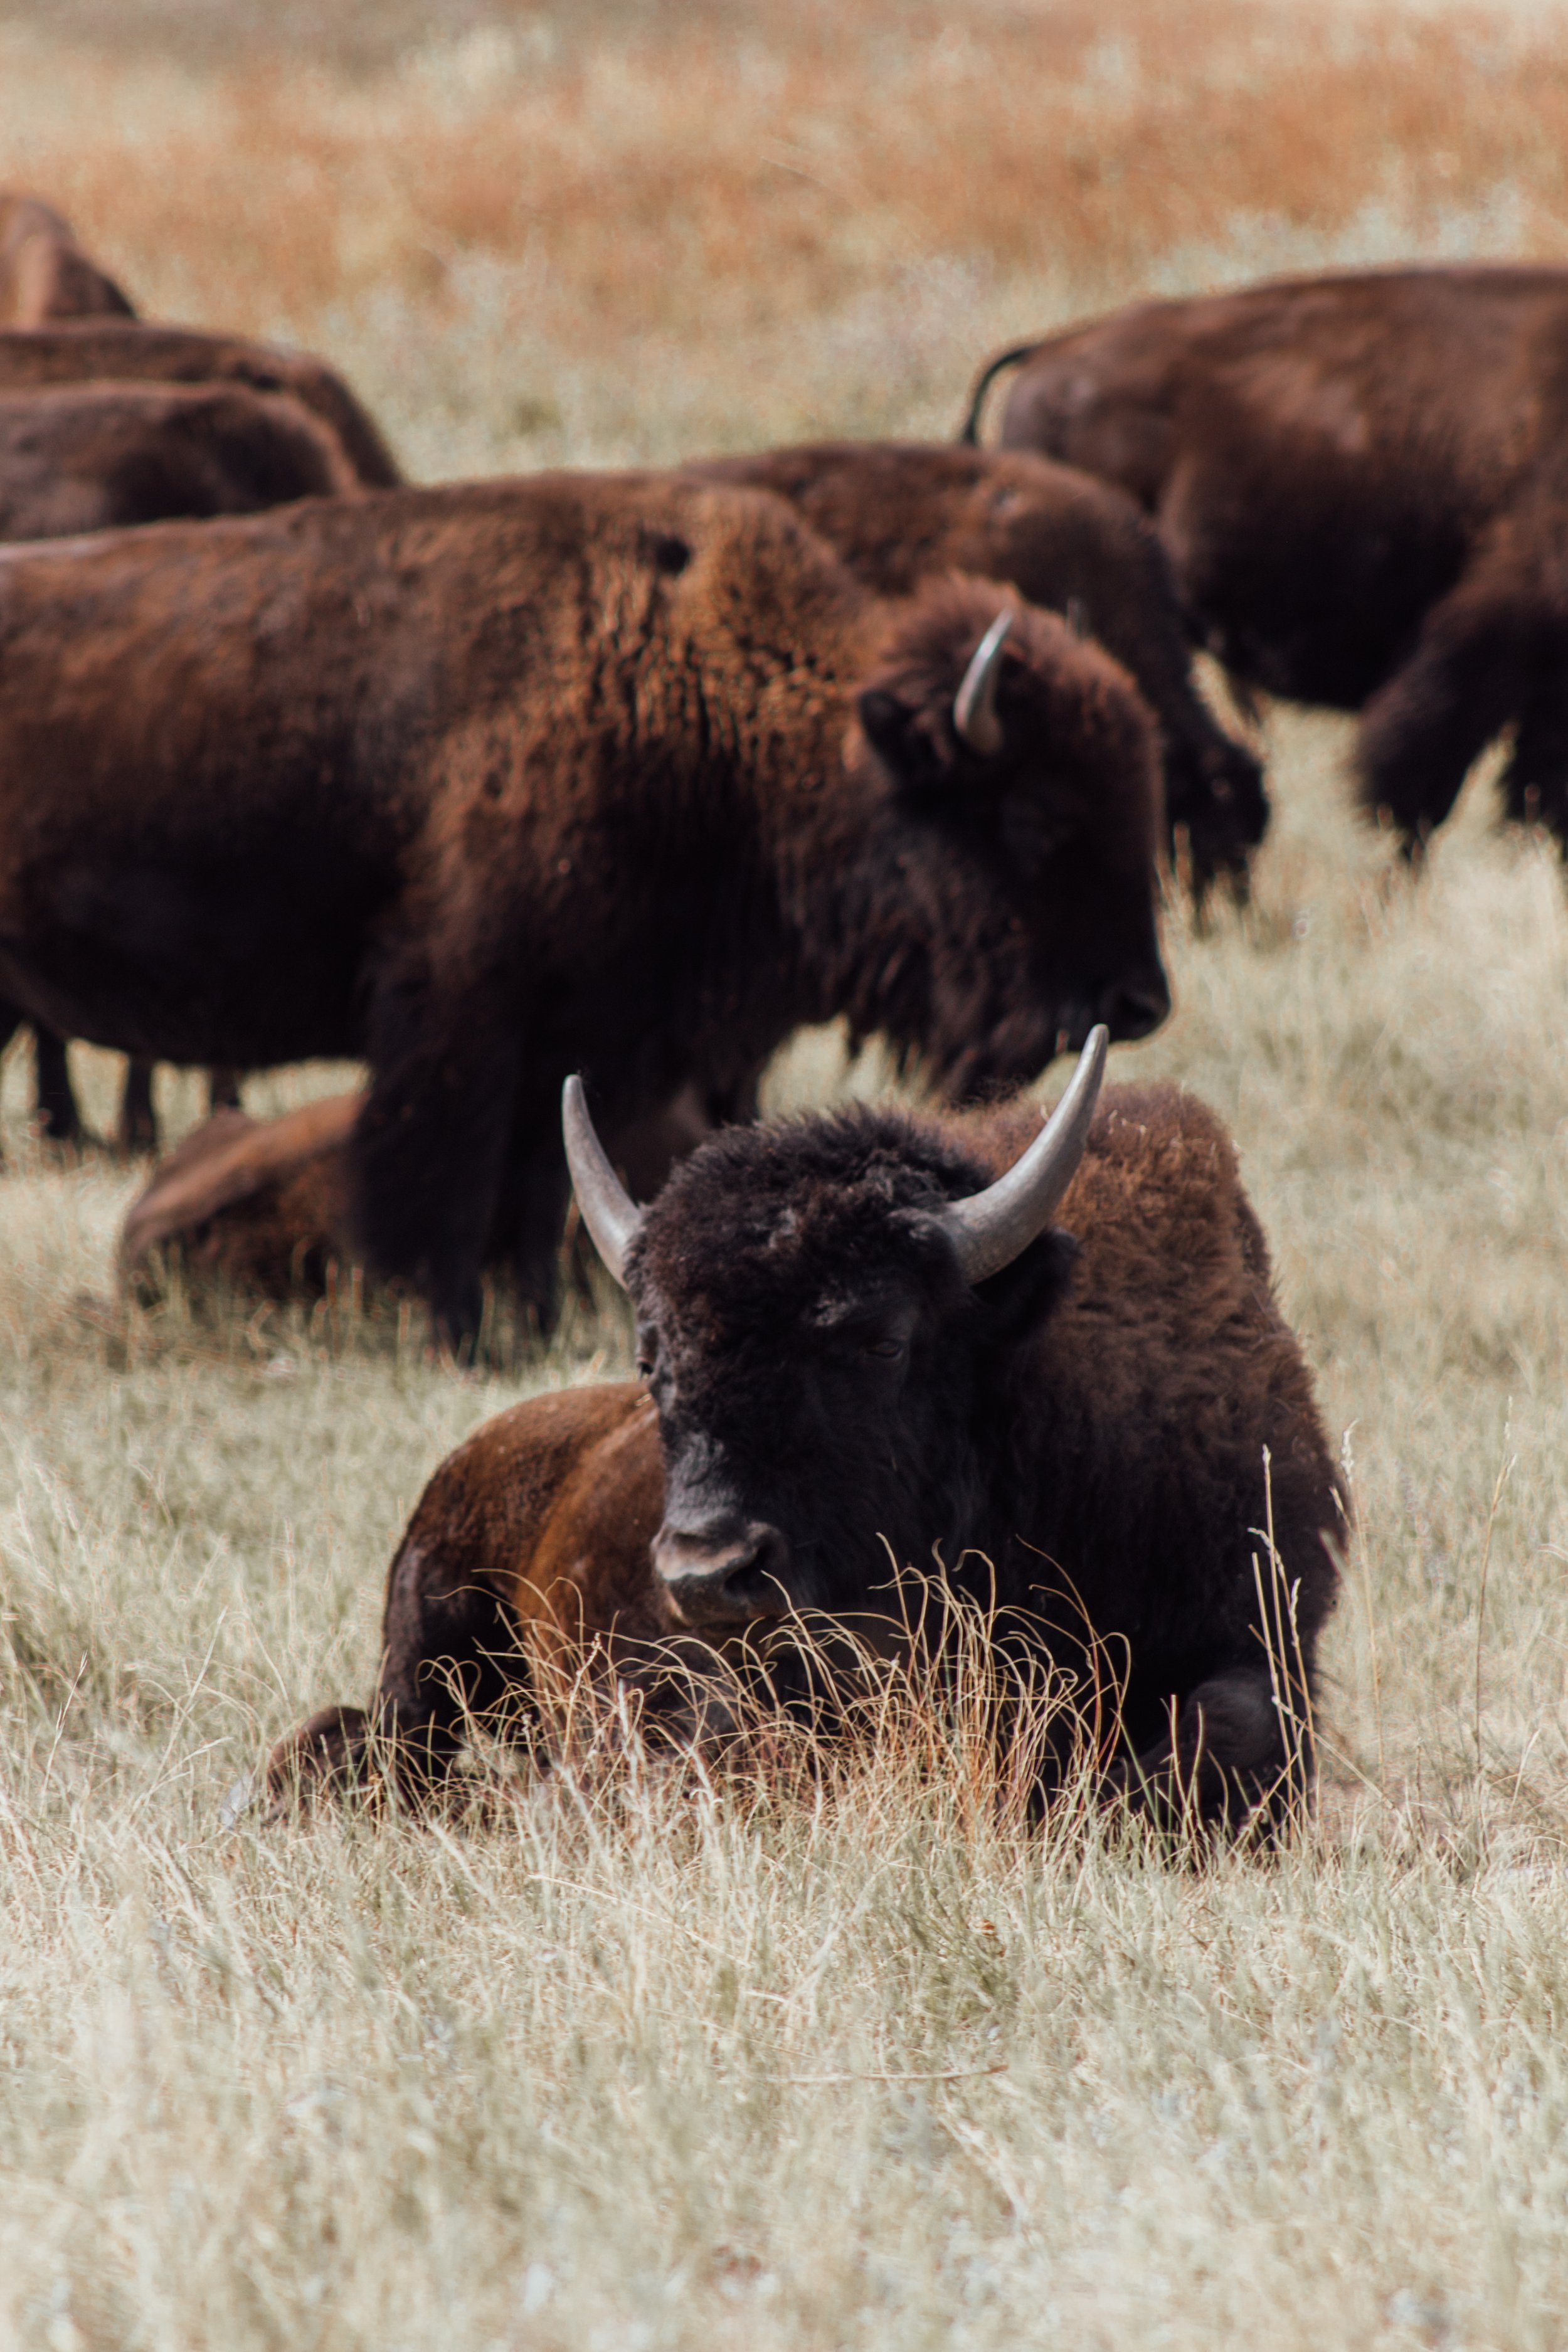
{"x": 430, "y": 1149}
{"x": 1237, "y": 1755}
{"x": 59, "y": 1118}
{"x": 1423, "y": 729}
{"x": 137, "y": 1119}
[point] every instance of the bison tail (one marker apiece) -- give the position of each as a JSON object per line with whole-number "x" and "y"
{"x": 970, "y": 436}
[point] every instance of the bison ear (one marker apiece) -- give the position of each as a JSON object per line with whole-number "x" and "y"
{"x": 1020, "y": 1298}
{"x": 904, "y": 747}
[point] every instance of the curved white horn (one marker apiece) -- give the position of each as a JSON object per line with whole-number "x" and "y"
{"x": 992, "y": 1228}
{"x": 974, "y": 706}
{"x": 610, "y": 1213}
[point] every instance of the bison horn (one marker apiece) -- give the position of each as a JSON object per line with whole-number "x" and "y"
{"x": 610, "y": 1213}
{"x": 992, "y": 1228}
{"x": 974, "y": 707}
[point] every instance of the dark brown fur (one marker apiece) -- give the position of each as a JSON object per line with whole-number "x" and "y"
{"x": 1361, "y": 484}
{"x": 45, "y": 276}
{"x": 488, "y": 783}
{"x": 94, "y": 457}
{"x": 1127, "y": 1484}
{"x": 899, "y": 513}
{"x": 130, "y": 351}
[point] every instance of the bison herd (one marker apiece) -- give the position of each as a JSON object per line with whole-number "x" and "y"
{"x": 609, "y": 783}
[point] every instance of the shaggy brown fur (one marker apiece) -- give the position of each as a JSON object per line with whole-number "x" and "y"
{"x": 45, "y": 276}
{"x": 132, "y": 351}
{"x": 1362, "y": 485}
{"x": 488, "y": 783}
{"x": 1096, "y": 1428}
{"x": 92, "y": 457}
{"x": 899, "y": 511}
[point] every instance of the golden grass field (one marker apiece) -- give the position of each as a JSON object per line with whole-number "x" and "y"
{"x": 644, "y": 2068}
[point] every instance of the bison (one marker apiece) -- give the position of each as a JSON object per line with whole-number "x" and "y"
{"x": 897, "y": 512}
{"x": 864, "y": 1341}
{"x": 262, "y": 1203}
{"x": 130, "y": 350}
{"x": 1357, "y": 479}
{"x": 483, "y": 784}
{"x": 45, "y": 276}
{"x": 92, "y": 456}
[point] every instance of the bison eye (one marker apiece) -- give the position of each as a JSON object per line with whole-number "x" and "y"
{"x": 886, "y": 1349}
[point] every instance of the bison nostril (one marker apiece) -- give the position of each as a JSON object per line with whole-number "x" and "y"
{"x": 724, "y": 1577}
{"x": 1131, "y": 1010}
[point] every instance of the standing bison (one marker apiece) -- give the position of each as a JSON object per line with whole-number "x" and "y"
{"x": 45, "y": 276}
{"x": 865, "y": 1343}
{"x": 1360, "y": 483}
{"x": 486, "y": 783}
{"x": 129, "y": 351}
{"x": 899, "y": 512}
{"x": 92, "y": 457}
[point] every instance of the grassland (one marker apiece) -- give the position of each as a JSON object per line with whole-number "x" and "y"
{"x": 663, "y": 2070}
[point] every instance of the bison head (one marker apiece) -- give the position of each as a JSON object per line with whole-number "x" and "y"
{"x": 1008, "y": 891}
{"x": 826, "y": 1312}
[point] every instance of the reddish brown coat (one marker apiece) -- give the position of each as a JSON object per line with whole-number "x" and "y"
{"x": 130, "y": 351}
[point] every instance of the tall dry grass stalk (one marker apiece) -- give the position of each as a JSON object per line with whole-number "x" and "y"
{"x": 641, "y": 2064}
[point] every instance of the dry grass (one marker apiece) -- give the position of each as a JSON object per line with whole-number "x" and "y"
{"x": 645, "y": 2069}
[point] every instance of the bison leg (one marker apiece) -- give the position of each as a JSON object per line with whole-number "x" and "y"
{"x": 58, "y": 1116}
{"x": 1235, "y": 1753}
{"x": 1423, "y": 729}
{"x": 428, "y": 1151}
{"x": 325, "y": 1755}
{"x": 138, "y": 1119}
{"x": 1535, "y": 781}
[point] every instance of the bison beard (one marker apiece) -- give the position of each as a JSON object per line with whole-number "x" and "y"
{"x": 860, "y": 1343}
{"x": 488, "y": 783}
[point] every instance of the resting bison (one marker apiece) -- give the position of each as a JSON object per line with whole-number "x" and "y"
{"x": 45, "y": 276}
{"x": 130, "y": 351}
{"x": 897, "y": 512}
{"x": 262, "y": 1205}
{"x": 483, "y": 784}
{"x": 1359, "y": 481}
{"x": 864, "y": 1338}
{"x": 86, "y": 457}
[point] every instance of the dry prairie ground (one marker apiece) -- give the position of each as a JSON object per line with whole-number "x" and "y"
{"x": 673, "y": 2074}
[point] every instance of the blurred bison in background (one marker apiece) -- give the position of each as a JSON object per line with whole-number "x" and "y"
{"x": 899, "y": 512}
{"x": 45, "y": 276}
{"x": 869, "y": 1350}
{"x": 261, "y": 1203}
{"x": 100, "y": 456}
{"x": 130, "y": 350}
{"x": 485, "y": 783}
{"x": 1360, "y": 483}
{"x": 90, "y": 456}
